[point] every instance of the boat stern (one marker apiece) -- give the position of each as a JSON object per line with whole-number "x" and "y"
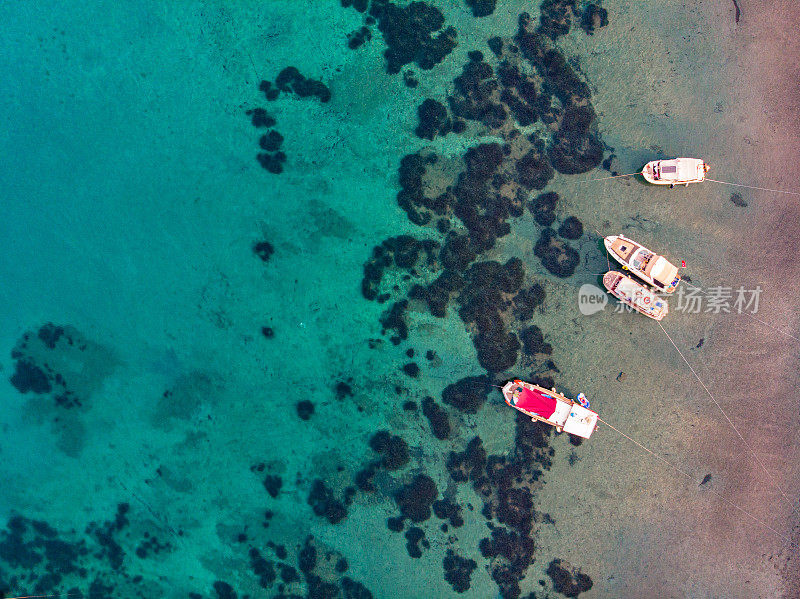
{"x": 690, "y": 170}
{"x": 660, "y": 310}
{"x": 702, "y": 169}
{"x": 673, "y": 285}
{"x": 665, "y": 275}
{"x": 581, "y": 421}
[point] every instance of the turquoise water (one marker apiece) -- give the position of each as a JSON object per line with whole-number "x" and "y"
{"x": 195, "y": 380}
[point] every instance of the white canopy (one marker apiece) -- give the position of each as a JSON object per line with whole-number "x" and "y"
{"x": 663, "y": 271}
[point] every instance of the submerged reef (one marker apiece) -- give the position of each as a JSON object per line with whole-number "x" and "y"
{"x": 468, "y": 464}
{"x": 458, "y": 570}
{"x": 571, "y": 228}
{"x": 437, "y": 418}
{"x": 527, "y": 300}
{"x": 393, "y": 449}
{"x": 433, "y": 120}
{"x": 260, "y": 118}
{"x": 532, "y": 81}
{"x": 273, "y": 484}
{"x": 533, "y": 341}
{"x": 445, "y": 509}
{"x": 567, "y": 580}
{"x": 38, "y": 559}
{"x": 320, "y": 572}
{"x": 305, "y": 409}
{"x": 415, "y": 536}
{"x": 506, "y": 492}
{"x": 593, "y": 17}
{"x": 359, "y": 37}
{"x": 504, "y": 484}
{"x": 543, "y": 206}
{"x": 557, "y": 256}
{"x": 57, "y": 360}
{"x": 468, "y": 394}
{"x": 414, "y": 33}
{"x": 534, "y": 113}
{"x": 415, "y": 498}
{"x": 291, "y": 81}
{"x": 29, "y": 377}
{"x": 323, "y": 503}
{"x": 738, "y": 200}
{"x": 403, "y": 253}
{"x": 264, "y": 250}
{"x": 272, "y": 158}
{"x": 482, "y": 8}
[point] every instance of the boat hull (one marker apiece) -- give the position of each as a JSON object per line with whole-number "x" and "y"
{"x": 635, "y": 295}
{"x": 537, "y": 403}
{"x": 629, "y": 253}
{"x": 677, "y": 171}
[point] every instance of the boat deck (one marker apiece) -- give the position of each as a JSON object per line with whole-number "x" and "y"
{"x": 624, "y": 248}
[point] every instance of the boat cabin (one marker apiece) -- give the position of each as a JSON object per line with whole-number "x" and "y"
{"x": 663, "y": 273}
{"x": 643, "y": 261}
{"x": 666, "y": 171}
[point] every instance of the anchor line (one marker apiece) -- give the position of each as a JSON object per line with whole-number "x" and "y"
{"x": 608, "y": 262}
{"x": 611, "y": 177}
{"x": 730, "y": 422}
{"x": 795, "y": 193}
{"x": 766, "y": 324}
{"x": 772, "y": 327}
{"x": 693, "y": 479}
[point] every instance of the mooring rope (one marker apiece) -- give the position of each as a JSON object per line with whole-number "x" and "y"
{"x": 693, "y": 479}
{"x": 766, "y": 324}
{"x": 611, "y": 177}
{"x": 777, "y": 330}
{"x": 795, "y": 193}
{"x": 733, "y": 426}
{"x": 608, "y": 261}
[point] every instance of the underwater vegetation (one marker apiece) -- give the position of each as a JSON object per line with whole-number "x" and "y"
{"x": 527, "y": 81}
{"x": 462, "y": 206}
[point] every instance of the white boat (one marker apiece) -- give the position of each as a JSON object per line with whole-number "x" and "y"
{"x": 676, "y": 171}
{"x": 636, "y": 295}
{"x": 551, "y": 407}
{"x": 648, "y": 266}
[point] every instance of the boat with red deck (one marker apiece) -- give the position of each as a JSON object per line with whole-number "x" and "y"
{"x": 550, "y": 407}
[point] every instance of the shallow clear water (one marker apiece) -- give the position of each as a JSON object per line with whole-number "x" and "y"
{"x": 187, "y": 411}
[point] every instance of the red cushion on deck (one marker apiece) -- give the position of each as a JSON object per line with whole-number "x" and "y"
{"x": 536, "y": 402}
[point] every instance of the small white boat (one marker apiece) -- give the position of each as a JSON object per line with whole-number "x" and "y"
{"x": 677, "y": 171}
{"x": 636, "y": 295}
{"x": 648, "y": 266}
{"x": 551, "y": 407}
